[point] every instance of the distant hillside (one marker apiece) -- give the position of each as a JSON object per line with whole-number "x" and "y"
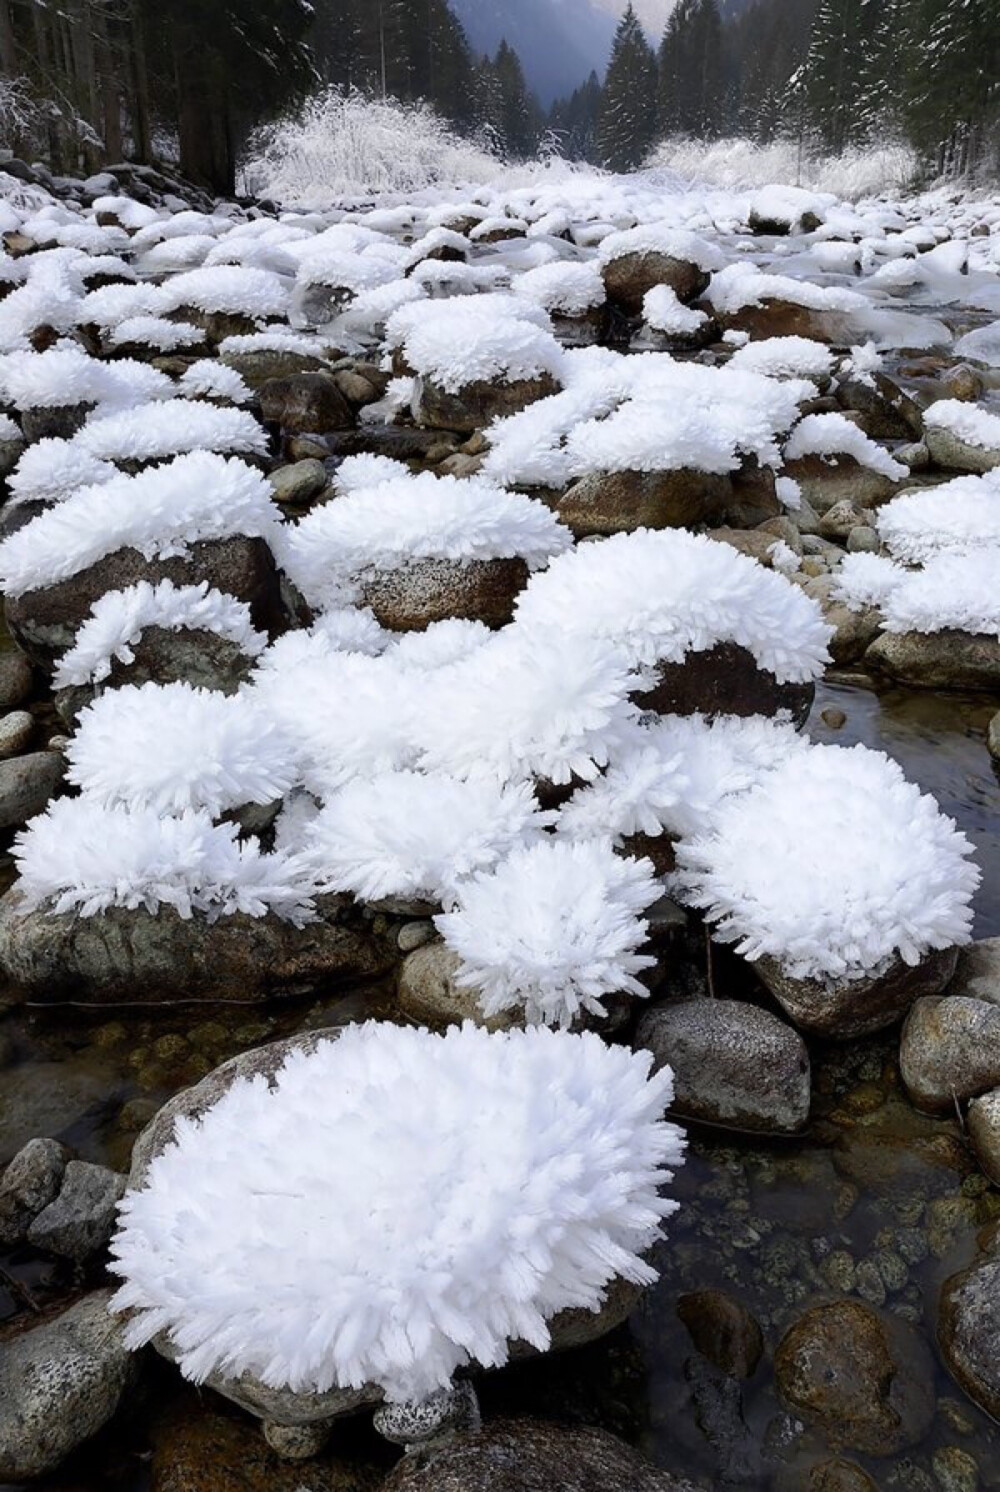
{"x": 559, "y": 41}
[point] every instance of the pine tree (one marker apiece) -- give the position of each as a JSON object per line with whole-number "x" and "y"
{"x": 834, "y": 66}
{"x": 692, "y": 71}
{"x": 626, "y": 121}
{"x": 953, "y": 102}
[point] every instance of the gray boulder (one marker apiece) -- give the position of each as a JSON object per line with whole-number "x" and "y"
{"x": 26, "y": 785}
{"x": 81, "y": 1219}
{"x": 165, "y": 655}
{"x": 826, "y": 483}
{"x": 59, "y": 1384}
{"x": 950, "y": 1051}
{"x": 953, "y": 453}
{"x": 983, "y": 1128}
{"x": 148, "y": 959}
{"x": 15, "y": 679}
{"x": 477, "y": 404}
{"x": 724, "y": 680}
{"x": 949, "y": 659}
{"x": 734, "y": 1064}
{"x": 528, "y": 1456}
{"x": 305, "y": 404}
{"x": 30, "y": 1182}
{"x": 427, "y": 991}
{"x": 969, "y": 1329}
{"x": 859, "y": 1006}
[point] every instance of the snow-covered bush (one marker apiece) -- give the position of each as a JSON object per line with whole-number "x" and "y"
{"x": 661, "y": 595}
{"x": 160, "y": 512}
{"x": 741, "y": 163}
{"x": 118, "y": 619}
{"x": 80, "y": 856}
{"x": 834, "y": 865}
{"x": 553, "y": 930}
{"x": 403, "y": 518}
{"x": 417, "y": 835}
{"x": 174, "y": 747}
{"x": 347, "y": 146}
{"x": 260, "y": 1242}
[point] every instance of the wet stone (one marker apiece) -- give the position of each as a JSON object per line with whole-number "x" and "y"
{"x": 723, "y": 1330}
{"x": 30, "y": 1182}
{"x": 81, "y": 1219}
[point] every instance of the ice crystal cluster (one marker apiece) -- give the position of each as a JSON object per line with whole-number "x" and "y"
{"x": 280, "y": 1232}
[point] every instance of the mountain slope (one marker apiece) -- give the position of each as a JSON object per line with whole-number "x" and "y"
{"x": 558, "y": 41}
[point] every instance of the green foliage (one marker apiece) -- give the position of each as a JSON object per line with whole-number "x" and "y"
{"x": 627, "y": 117}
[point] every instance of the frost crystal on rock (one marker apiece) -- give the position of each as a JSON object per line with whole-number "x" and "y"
{"x": 397, "y": 1204}
{"x": 833, "y": 865}
{"x": 553, "y": 930}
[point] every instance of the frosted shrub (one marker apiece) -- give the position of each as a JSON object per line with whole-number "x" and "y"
{"x": 79, "y": 856}
{"x": 118, "y": 619}
{"x": 160, "y": 512}
{"x": 553, "y": 930}
{"x": 276, "y": 1234}
{"x": 661, "y": 595}
{"x": 417, "y": 836}
{"x": 834, "y": 866}
{"x": 173, "y": 747}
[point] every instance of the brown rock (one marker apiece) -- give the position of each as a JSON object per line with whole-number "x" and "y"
{"x": 723, "y": 1330}
{"x": 888, "y": 412}
{"x": 859, "y": 1006}
{"x": 620, "y": 502}
{"x": 864, "y": 1380}
{"x": 825, "y": 482}
{"x": 628, "y": 278}
{"x": 305, "y": 404}
{"x": 431, "y": 590}
{"x": 477, "y": 404}
{"x": 839, "y": 1476}
{"x": 724, "y": 680}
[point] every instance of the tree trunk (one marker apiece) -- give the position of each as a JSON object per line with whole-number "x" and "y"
{"x": 141, "y": 129}
{"x": 203, "y": 124}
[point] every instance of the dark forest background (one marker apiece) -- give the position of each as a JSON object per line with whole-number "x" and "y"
{"x": 89, "y": 82}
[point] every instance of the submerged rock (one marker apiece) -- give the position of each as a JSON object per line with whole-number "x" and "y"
{"x": 528, "y": 1456}
{"x": 147, "y": 959}
{"x": 734, "y": 1064}
{"x": 864, "y": 1380}
{"x": 969, "y": 1329}
{"x": 859, "y": 1006}
{"x": 723, "y": 1331}
{"x": 948, "y": 659}
{"x": 59, "y": 1384}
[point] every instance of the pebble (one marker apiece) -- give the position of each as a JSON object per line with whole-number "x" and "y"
{"x": 15, "y": 679}
{"x": 834, "y": 718}
{"x": 299, "y": 482}
{"x": 30, "y": 1182}
{"x": 26, "y": 785}
{"x": 414, "y": 935}
{"x": 954, "y": 1469}
{"x": 81, "y": 1219}
{"x": 863, "y": 540}
{"x": 16, "y": 730}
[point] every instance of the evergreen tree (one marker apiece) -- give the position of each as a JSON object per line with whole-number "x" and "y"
{"x": 692, "y": 71}
{"x": 953, "y": 85}
{"x": 834, "y": 69}
{"x": 626, "y": 120}
{"x": 574, "y": 120}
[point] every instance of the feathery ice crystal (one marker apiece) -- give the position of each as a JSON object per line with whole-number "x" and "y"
{"x": 338, "y": 1228}
{"x": 553, "y": 930}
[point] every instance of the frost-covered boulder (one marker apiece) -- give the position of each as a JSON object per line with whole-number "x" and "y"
{"x": 137, "y": 956}
{"x": 941, "y": 621}
{"x": 833, "y": 461}
{"x": 962, "y": 437}
{"x": 199, "y": 518}
{"x": 572, "y": 292}
{"x": 420, "y": 549}
{"x": 847, "y": 888}
{"x": 745, "y": 299}
{"x": 712, "y": 630}
{"x": 226, "y": 299}
{"x": 475, "y": 358}
{"x": 311, "y": 1119}
{"x": 637, "y": 260}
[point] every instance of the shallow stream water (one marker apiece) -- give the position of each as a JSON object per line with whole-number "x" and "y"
{"x": 875, "y": 1202}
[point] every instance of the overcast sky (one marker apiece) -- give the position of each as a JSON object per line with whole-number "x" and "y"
{"x": 652, "y": 13}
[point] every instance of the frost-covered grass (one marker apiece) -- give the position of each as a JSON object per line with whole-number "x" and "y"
{"x": 740, "y": 163}
{"x": 338, "y": 1228}
{"x": 834, "y": 866}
